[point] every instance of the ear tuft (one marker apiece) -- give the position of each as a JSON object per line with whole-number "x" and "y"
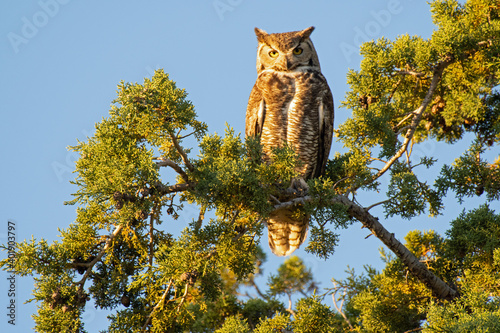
{"x": 260, "y": 34}
{"x": 306, "y": 32}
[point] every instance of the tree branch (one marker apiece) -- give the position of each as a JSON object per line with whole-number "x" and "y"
{"x": 394, "y": 91}
{"x": 164, "y": 189}
{"x": 378, "y": 203}
{"x": 110, "y": 239}
{"x": 146, "y": 323}
{"x": 182, "y": 153}
{"x": 201, "y": 217}
{"x": 257, "y": 289}
{"x": 438, "y": 287}
{"x": 186, "y": 289}
{"x": 436, "y": 77}
{"x": 290, "y": 305}
{"x": 173, "y": 165}
{"x": 339, "y": 308}
{"x": 412, "y": 73}
{"x": 409, "y": 115}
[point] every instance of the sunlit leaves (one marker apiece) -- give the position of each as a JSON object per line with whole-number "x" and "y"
{"x": 471, "y": 175}
{"x": 475, "y": 311}
{"x": 408, "y": 197}
{"x": 390, "y": 87}
{"x": 229, "y": 174}
{"x": 313, "y": 316}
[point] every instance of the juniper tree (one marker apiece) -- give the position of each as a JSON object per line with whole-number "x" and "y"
{"x": 152, "y": 156}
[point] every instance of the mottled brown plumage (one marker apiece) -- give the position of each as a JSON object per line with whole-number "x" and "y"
{"x": 292, "y": 104}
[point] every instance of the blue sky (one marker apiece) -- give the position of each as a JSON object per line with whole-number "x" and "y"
{"x": 61, "y": 61}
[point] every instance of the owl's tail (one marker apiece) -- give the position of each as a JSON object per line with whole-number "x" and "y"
{"x": 287, "y": 230}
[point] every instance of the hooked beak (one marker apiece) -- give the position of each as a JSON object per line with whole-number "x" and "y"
{"x": 286, "y": 64}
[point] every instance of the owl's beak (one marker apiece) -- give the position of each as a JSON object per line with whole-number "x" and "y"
{"x": 286, "y": 63}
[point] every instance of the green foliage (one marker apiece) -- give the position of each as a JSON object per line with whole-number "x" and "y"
{"x": 390, "y": 301}
{"x": 311, "y": 316}
{"x": 118, "y": 158}
{"x": 215, "y": 313}
{"x": 408, "y": 196}
{"x": 234, "y": 324}
{"x": 256, "y": 310}
{"x": 473, "y": 312}
{"x": 472, "y": 241}
{"x": 471, "y": 175}
{"x": 322, "y": 241}
{"x": 350, "y": 170}
{"x": 387, "y": 95}
{"x": 293, "y": 276}
{"x": 62, "y": 306}
{"x": 279, "y": 323}
{"x": 229, "y": 174}
{"x": 473, "y": 245}
{"x": 474, "y": 235}
{"x": 393, "y": 300}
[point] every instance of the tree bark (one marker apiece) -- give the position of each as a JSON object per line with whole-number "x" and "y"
{"x": 438, "y": 287}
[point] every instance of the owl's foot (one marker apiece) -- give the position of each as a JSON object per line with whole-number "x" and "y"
{"x": 298, "y": 187}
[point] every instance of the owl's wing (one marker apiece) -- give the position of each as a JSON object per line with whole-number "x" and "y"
{"x": 256, "y": 112}
{"x": 326, "y": 110}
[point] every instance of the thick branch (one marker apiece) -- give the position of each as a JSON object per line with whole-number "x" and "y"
{"x": 173, "y": 165}
{"x": 163, "y": 189}
{"x": 201, "y": 217}
{"x": 412, "y": 73}
{"x": 290, "y": 305}
{"x": 438, "y": 287}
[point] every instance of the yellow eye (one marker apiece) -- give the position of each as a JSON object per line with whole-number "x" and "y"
{"x": 273, "y": 53}
{"x": 297, "y": 51}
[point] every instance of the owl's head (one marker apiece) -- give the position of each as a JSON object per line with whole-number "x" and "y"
{"x": 286, "y": 52}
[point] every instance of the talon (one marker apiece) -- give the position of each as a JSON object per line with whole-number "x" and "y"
{"x": 298, "y": 186}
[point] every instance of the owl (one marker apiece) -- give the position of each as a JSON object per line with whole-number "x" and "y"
{"x": 290, "y": 104}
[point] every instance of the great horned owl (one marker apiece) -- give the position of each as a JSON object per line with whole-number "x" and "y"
{"x": 292, "y": 104}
